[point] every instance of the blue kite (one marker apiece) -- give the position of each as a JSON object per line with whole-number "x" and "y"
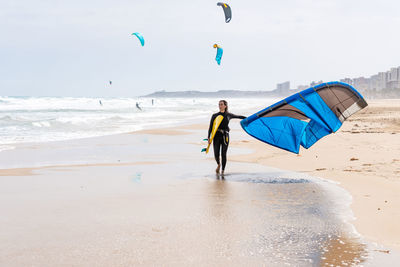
{"x": 140, "y": 37}
{"x": 305, "y": 117}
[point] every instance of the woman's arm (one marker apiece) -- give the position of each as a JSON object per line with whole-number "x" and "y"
{"x": 233, "y": 116}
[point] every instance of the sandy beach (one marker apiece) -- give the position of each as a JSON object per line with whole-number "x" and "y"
{"x": 151, "y": 198}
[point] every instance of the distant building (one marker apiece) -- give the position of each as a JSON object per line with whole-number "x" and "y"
{"x": 302, "y": 87}
{"x": 374, "y": 82}
{"x": 380, "y": 81}
{"x": 361, "y": 83}
{"x": 283, "y": 87}
{"x": 347, "y": 80}
{"x": 313, "y": 83}
{"x": 393, "y": 80}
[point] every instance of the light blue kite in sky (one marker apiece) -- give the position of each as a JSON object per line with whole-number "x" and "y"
{"x": 220, "y": 51}
{"x": 140, "y": 37}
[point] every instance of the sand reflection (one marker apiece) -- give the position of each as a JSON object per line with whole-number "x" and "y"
{"x": 343, "y": 251}
{"x": 279, "y": 221}
{"x": 218, "y": 197}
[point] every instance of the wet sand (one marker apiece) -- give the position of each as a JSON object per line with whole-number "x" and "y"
{"x": 150, "y": 198}
{"x": 152, "y": 214}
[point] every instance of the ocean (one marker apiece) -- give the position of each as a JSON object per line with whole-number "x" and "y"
{"x": 44, "y": 119}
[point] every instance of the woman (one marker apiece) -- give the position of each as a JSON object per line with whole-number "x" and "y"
{"x": 221, "y": 138}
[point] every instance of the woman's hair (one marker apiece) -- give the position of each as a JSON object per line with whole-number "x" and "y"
{"x": 226, "y": 104}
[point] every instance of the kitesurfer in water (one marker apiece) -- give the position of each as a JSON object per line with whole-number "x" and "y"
{"x": 221, "y": 138}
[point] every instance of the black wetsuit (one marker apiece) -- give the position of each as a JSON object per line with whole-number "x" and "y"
{"x": 221, "y": 138}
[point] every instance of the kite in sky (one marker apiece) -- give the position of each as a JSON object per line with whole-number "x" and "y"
{"x": 220, "y": 51}
{"x": 140, "y": 37}
{"x": 227, "y": 11}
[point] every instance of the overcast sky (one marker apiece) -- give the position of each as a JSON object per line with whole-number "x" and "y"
{"x": 73, "y": 48}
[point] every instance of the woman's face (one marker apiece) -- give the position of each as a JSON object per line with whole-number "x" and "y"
{"x": 222, "y": 106}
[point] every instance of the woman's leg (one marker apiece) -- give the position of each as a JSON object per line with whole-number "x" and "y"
{"x": 225, "y": 144}
{"x": 217, "y": 145}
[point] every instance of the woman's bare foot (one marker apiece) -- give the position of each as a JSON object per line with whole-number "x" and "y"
{"x": 217, "y": 169}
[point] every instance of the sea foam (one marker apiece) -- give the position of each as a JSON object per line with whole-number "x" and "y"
{"x": 43, "y": 119}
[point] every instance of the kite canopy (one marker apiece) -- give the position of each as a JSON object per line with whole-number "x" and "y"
{"x": 220, "y": 51}
{"x": 140, "y": 37}
{"x": 305, "y": 117}
{"x": 227, "y": 11}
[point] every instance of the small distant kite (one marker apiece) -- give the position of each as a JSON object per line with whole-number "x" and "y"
{"x": 220, "y": 51}
{"x": 140, "y": 37}
{"x": 227, "y": 11}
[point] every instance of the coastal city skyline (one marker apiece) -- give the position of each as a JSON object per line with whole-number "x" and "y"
{"x": 381, "y": 85}
{"x": 389, "y": 80}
